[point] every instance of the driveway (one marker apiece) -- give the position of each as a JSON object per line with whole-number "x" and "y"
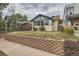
{"x": 14, "y": 49}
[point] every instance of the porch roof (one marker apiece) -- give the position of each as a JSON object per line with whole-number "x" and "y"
{"x": 42, "y": 16}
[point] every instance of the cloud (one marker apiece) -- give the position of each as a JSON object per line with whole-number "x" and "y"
{"x": 32, "y": 9}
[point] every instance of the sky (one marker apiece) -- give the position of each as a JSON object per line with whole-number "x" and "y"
{"x": 33, "y": 9}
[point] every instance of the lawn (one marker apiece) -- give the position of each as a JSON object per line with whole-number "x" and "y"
{"x": 44, "y": 34}
{"x": 2, "y": 53}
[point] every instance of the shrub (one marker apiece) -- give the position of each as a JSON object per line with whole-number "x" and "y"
{"x": 24, "y": 27}
{"x": 68, "y": 30}
{"x": 2, "y": 25}
{"x": 35, "y": 29}
{"x": 61, "y": 28}
{"x": 42, "y": 28}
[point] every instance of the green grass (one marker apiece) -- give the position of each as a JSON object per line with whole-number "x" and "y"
{"x": 2, "y": 53}
{"x": 44, "y": 34}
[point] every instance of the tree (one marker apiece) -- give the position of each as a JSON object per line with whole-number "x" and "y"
{"x": 11, "y": 10}
{"x": 25, "y": 17}
{"x": 2, "y": 24}
{"x": 7, "y": 23}
{"x": 2, "y": 6}
{"x": 17, "y": 17}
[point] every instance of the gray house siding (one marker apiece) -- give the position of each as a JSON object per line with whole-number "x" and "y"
{"x": 43, "y": 21}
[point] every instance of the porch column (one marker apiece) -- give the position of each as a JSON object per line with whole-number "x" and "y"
{"x": 37, "y": 26}
{"x": 44, "y": 22}
{"x": 40, "y": 23}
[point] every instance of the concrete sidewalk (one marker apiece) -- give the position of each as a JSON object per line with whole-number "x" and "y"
{"x": 14, "y": 49}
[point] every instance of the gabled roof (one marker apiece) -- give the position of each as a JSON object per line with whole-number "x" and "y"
{"x": 42, "y": 16}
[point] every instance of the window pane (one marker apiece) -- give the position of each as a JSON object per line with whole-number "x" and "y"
{"x": 76, "y": 28}
{"x": 42, "y": 22}
{"x": 46, "y": 22}
{"x": 38, "y": 23}
{"x": 34, "y": 23}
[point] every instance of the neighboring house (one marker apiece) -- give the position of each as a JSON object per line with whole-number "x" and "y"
{"x": 19, "y": 25}
{"x": 71, "y": 17}
{"x": 49, "y": 23}
{"x": 24, "y": 25}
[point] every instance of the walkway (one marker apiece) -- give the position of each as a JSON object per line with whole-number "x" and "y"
{"x": 14, "y": 49}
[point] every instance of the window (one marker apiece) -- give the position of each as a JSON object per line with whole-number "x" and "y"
{"x": 38, "y": 23}
{"x": 42, "y": 22}
{"x": 77, "y": 24}
{"x": 46, "y": 22}
{"x": 70, "y": 13}
{"x": 69, "y": 10}
{"x": 34, "y": 23}
{"x": 76, "y": 28}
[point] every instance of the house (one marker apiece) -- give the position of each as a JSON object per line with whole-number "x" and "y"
{"x": 71, "y": 17}
{"x": 49, "y": 23}
{"x": 19, "y": 25}
{"x": 24, "y": 25}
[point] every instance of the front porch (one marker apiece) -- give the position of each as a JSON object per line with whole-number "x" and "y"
{"x": 47, "y": 24}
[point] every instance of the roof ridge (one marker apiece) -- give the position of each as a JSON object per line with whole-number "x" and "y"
{"x": 41, "y": 15}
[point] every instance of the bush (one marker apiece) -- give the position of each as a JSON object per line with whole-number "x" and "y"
{"x": 35, "y": 29}
{"x": 2, "y": 25}
{"x": 42, "y": 28}
{"x": 26, "y": 27}
{"x": 61, "y": 28}
{"x": 68, "y": 30}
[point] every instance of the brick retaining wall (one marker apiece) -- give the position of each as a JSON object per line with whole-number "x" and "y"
{"x": 71, "y": 47}
{"x": 58, "y": 47}
{"x": 51, "y": 46}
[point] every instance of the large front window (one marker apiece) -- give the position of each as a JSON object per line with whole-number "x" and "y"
{"x": 42, "y": 23}
{"x": 34, "y": 23}
{"x": 38, "y": 23}
{"x": 46, "y": 22}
